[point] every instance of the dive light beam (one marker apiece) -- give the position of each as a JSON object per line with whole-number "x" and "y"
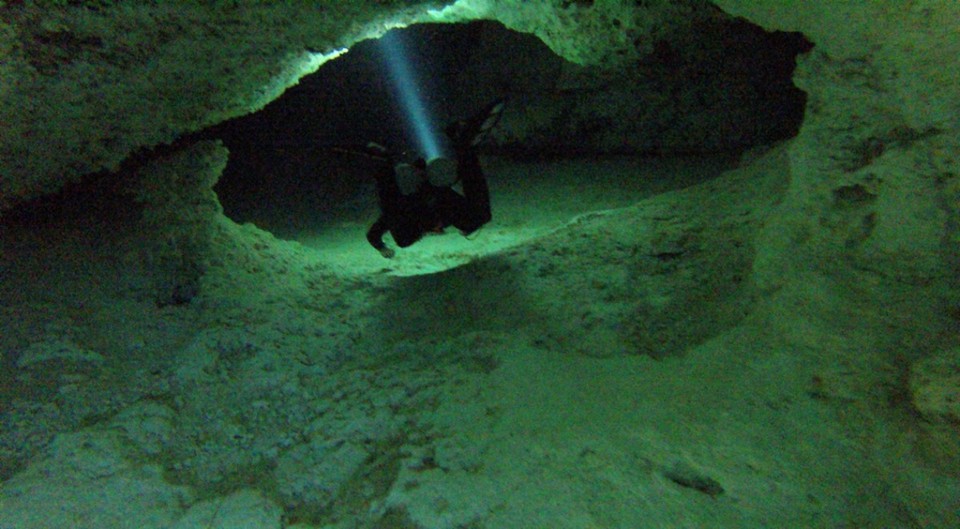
{"x": 403, "y": 79}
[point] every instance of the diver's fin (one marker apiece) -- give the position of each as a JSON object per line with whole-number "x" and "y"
{"x": 471, "y": 131}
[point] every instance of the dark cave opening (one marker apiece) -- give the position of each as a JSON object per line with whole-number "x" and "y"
{"x": 727, "y": 91}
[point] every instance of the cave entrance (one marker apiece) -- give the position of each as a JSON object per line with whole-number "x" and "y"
{"x": 573, "y": 139}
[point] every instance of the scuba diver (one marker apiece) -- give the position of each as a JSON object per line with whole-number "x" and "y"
{"x": 418, "y": 199}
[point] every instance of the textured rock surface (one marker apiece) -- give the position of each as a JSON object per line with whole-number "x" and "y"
{"x": 935, "y": 384}
{"x": 935, "y": 393}
{"x": 607, "y": 34}
{"x": 180, "y": 211}
{"x": 245, "y": 509}
{"x": 874, "y": 187}
{"x": 311, "y": 476}
{"x": 871, "y": 213}
{"x": 857, "y": 261}
{"x": 92, "y": 483}
{"x": 60, "y": 354}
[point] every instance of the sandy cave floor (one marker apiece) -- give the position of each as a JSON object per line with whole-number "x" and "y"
{"x": 349, "y": 391}
{"x": 529, "y": 200}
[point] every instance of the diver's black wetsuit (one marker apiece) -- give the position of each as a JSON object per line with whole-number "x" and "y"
{"x": 430, "y": 208}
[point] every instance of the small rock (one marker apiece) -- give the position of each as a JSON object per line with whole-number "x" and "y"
{"x": 148, "y": 424}
{"x": 59, "y": 353}
{"x": 685, "y": 475}
{"x": 935, "y": 387}
{"x": 935, "y": 393}
{"x": 245, "y": 509}
{"x": 311, "y": 476}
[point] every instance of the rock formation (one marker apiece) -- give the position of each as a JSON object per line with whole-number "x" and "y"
{"x": 861, "y": 240}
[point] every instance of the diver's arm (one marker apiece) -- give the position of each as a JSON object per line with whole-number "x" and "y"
{"x": 375, "y": 237}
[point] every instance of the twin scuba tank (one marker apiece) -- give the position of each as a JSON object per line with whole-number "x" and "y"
{"x": 438, "y": 172}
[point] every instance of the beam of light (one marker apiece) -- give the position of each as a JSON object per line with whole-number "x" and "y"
{"x": 405, "y": 83}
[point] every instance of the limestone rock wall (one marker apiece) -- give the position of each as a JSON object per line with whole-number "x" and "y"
{"x": 180, "y": 211}
{"x": 874, "y": 187}
{"x": 871, "y": 209}
{"x": 873, "y": 206}
{"x": 935, "y": 392}
{"x": 607, "y": 34}
{"x": 875, "y": 172}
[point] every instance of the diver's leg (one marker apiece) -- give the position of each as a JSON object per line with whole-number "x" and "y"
{"x": 477, "y": 204}
{"x": 397, "y": 215}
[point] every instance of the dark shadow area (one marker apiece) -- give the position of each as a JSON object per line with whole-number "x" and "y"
{"x": 97, "y": 203}
{"x": 78, "y": 248}
{"x": 486, "y": 295}
{"x": 95, "y": 217}
{"x": 74, "y": 285}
